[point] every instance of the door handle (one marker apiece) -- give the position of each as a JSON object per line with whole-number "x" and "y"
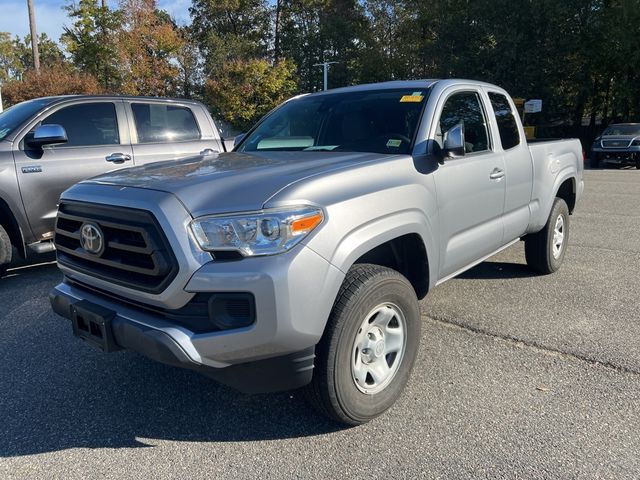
{"x": 208, "y": 151}
{"x": 118, "y": 158}
{"x": 496, "y": 174}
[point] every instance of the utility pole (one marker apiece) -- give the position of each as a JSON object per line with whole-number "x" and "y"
{"x": 276, "y": 40}
{"x": 103, "y": 33}
{"x": 34, "y": 36}
{"x": 325, "y": 66}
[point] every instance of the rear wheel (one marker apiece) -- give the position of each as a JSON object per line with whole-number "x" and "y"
{"x": 545, "y": 250}
{"x": 366, "y": 355}
{"x": 5, "y": 250}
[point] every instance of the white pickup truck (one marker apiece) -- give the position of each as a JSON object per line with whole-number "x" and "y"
{"x": 298, "y": 259}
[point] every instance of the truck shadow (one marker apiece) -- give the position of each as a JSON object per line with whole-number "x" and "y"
{"x": 496, "y": 270}
{"x": 58, "y": 393}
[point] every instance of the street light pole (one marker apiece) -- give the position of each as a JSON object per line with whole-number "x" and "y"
{"x": 325, "y": 66}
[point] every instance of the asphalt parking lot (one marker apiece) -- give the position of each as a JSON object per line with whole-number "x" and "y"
{"x": 518, "y": 376}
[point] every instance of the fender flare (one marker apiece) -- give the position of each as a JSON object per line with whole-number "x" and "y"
{"x": 542, "y": 213}
{"x": 383, "y": 229}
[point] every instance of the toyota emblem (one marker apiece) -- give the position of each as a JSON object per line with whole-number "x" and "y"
{"x": 92, "y": 239}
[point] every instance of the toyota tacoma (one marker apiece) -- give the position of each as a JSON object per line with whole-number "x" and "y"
{"x": 298, "y": 259}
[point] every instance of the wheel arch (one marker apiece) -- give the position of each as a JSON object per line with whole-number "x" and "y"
{"x": 11, "y": 225}
{"x": 402, "y": 242}
{"x": 567, "y": 191}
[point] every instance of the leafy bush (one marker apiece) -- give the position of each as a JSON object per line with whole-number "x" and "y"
{"x": 52, "y": 80}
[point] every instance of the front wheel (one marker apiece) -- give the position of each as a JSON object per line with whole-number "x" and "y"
{"x": 545, "y": 250}
{"x": 366, "y": 354}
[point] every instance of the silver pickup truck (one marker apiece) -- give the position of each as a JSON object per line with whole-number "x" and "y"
{"x": 48, "y": 144}
{"x": 298, "y": 259}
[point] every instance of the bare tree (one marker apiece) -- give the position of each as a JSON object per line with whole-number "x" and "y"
{"x": 34, "y": 36}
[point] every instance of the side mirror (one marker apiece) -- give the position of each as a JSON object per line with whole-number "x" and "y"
{"x": 47, "y": 135}
{"x": 238, "y": 139}
{"x": 454, "y": 141}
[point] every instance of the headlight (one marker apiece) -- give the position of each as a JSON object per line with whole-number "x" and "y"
{"x": 259, "y": 233}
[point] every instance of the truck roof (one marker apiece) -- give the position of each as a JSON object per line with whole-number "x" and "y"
{"x": 382, "y": 86}
{"x": 59, "y": 98}
{"x": 408, "y": 84}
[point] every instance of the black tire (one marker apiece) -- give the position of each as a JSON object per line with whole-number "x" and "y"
{"x": 638, "y": 164}
{"x": 6, "y": 250}
{"x": 594, "y": 161}
{"x": 538, "y": 247}
{"x": 333, "y": 391}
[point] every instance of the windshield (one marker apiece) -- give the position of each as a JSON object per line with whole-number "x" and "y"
{"x": 378, "y": 121}
{"x": 622, "y": 130}
{"x": 15, "y": 116}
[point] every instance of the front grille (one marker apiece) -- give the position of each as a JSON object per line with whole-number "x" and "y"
{"x": 615, "y": 143}
{"x": 136, "y": 252}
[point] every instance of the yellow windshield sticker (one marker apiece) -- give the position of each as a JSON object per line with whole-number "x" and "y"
{"x": 394, "y": 142}
{"x": 411, "y": 98}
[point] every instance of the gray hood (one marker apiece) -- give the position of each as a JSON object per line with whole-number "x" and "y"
{"x": 231, "y": 182}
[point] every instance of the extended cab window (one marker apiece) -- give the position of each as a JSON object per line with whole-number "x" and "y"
{"x": 87, "y": 124}
{"x": 158, "y": 123}
{"x": 507, "y": 125}
{"x": 465, "y": 108}
{"x": 378, "y": 121}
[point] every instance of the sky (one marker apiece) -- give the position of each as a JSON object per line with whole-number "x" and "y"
{"x": 51, "y": 17}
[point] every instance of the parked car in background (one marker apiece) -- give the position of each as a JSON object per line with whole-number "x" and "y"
{"x": 299, "y": 258}
{"x": 618, "y": 145}
{"x": 48, "y": 144}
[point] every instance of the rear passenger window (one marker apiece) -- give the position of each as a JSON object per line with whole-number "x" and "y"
{"x": 465, "y": 108}
{"x": 507, "y": 125}
{"x": 87, "y": 124}
{"x": 158, "y": 123}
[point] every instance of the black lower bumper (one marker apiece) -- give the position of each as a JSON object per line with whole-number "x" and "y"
{"x": 616, "y": 156}
{"x": 106, "y": 330}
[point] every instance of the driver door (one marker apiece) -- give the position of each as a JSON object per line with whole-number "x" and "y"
{"x": 95, "y": 132}
{"x": 470, "y": 188}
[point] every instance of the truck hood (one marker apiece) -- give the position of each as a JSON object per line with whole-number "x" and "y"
{"x": 231, "y": 182}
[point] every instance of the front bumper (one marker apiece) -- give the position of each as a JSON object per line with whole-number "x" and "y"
{"x": 285, "y": 372}
{"x": 293, "y": 296}
{"x": 616, "y": 155}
